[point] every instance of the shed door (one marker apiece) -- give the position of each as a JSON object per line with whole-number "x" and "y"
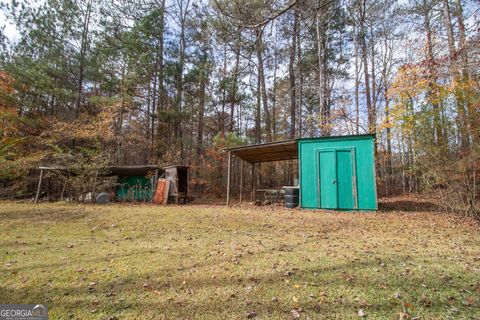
{"x": 337, "y": 179}
{"x": 345, "y": 179}
{"x": 328, "y": 180}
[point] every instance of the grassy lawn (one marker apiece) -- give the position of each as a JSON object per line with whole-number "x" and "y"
{"x": 210, "y": 262}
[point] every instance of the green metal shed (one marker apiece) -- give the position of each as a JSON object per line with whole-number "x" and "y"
{"x": 334, "y": 172}
{"x": 337, "y": 173}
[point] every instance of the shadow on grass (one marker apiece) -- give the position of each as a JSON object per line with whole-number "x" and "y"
{"x": 225, "y": 295}
{"x": 43, "y": 215}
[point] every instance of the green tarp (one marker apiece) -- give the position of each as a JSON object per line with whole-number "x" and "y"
{"x": 134, "y": 188}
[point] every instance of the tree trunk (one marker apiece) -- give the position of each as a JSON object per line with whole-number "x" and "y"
{"x": 389, "y": 134}
{"x": 374, "y": 82}
{"x": 83, "y": 51}
{"x": 387, "y": 58}
{"x": 357, "y": 82}
{"x": 258, "y": 128}
{"x": 300, "y": 76}
{"x": 462, "y": 39}
{"x": 201, "y": 112}
{"x": 448, "y": 26}
{"x": 363, "y": 44}
{"x": 274, "y": 93}
{"x": 178, "y": 127}
{"x": 147, "y": 124}
{"x": 455, "y": 74}
{"x": 472, "y": 114}
{"x": 179, "y": 97}
{"x": 224, "y": 90}
{"x": 438, "y": 132}
{"x": 161, "y": 101}
{"x": 233, "y": 98}
{"x": 261, "y": 78}
{"x": 321, "y": 44}
{"x": 291, "y": 71}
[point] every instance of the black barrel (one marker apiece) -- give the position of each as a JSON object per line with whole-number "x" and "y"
{"x": 291, "y": 191}
{"x": 291, "y": 197}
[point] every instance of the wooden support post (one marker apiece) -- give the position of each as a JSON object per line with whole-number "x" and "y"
{"x": 63, "y": 190}
{"x": 177, "y": 199}
{"x": 228, "y": 177}
{"x": 254, "y": 180}
{"x": 241, "y": 180}
{"x": 39, "y": 186}
{"x": 94, "y": 188}
{"x": 154, "y": 185}
{"x": 186, "y": 191}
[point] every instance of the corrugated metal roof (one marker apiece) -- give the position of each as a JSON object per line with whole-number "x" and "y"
{"x": 272, "y": 151}
{"x": 276, "y": 151}
{"x": 121, "y": 170}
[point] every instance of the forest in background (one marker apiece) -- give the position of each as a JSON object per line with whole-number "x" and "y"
{"x": 89, "y": 83}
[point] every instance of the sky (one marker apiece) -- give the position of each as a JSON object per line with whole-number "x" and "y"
{"x": 9, "y": 30}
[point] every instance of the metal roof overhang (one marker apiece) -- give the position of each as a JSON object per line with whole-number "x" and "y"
{"x": 266, "y": 152}
{"x": 134, "y": 170}
{"x": 140, "y": 170}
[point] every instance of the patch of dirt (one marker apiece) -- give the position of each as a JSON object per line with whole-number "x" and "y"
{"x": 408, "y": 204}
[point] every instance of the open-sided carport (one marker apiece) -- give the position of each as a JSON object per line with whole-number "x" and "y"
{"x": 257, "y": 153}
{"x": 334, "y": 172}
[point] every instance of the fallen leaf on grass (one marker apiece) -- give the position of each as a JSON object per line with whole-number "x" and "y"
{"x": 451, "y": 300}
{"x": 251, "y": 315}
{"x": 92, "y": 286}
{"x": 469, "y": 302}
{"x": 453, "y": 310}
{"x": 425, "y": 301}
{"x": 295, "y": 314}
{"x": 407, "y": 305}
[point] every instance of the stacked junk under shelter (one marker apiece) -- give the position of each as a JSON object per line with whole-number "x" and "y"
{"x": 133, "y": 183}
